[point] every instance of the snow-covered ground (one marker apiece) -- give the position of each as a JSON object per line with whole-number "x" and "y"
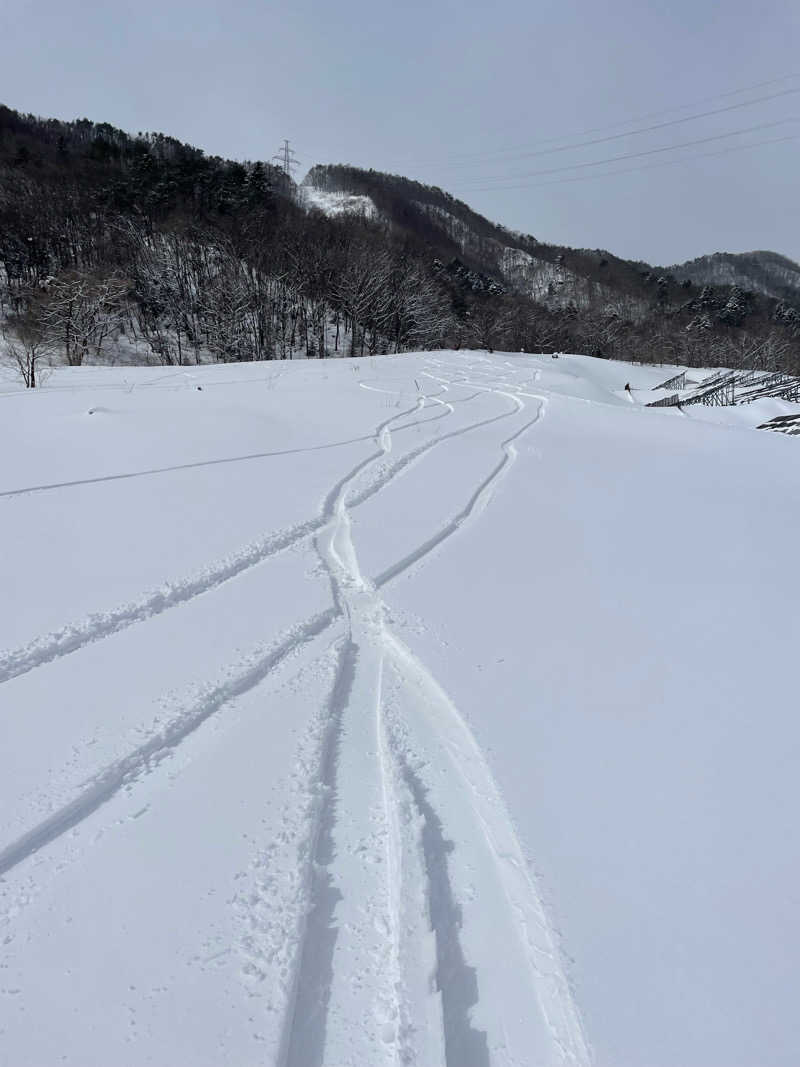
{"x": 429, "y": 709}
{"x": 332, "y": 203}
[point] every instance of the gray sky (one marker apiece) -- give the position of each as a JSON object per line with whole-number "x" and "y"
{"x": 454, "y": 93}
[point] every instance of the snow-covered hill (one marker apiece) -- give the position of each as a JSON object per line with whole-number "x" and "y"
{"x": 762, "y": 272}
{"x": 452, "y": 226}
{"x": 429, "y": 710}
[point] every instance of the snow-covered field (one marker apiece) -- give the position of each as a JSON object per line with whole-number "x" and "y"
{"x": 430, "y": 709}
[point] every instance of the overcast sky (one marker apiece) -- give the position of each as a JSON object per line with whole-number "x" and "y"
{"x": 455, "y": 94}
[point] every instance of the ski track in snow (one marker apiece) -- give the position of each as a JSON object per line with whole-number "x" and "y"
{"x": 375, "y": 904}
{"x": 359, "y": 922}
{"x": 100, "y": 625}
{"x": 239, "y": 680}
{"x": 143, "y": 758}
{"x": 146, "y": 757}
{"x": 335, "y": 963}
{"x": 510, "y": 887}
{"x": 28, "y": 489}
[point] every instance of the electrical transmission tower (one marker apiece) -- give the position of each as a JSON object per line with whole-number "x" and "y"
{"x": 286, "y": 159}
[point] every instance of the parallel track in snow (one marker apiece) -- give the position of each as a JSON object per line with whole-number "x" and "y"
{"x": 363, "y": 933}
{"x": 381, "y": 891}
{"x": 238, "y": 680}
{"x": 100, "y": 625}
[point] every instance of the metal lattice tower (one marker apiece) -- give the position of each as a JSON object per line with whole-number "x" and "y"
{"x": 286, "y": 159}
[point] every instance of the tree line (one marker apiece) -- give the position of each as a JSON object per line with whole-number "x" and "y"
{"x": 111, "y": 243}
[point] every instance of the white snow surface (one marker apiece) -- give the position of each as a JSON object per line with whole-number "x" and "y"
{"x": 336, "y": 203}
{"x": 432, "y": 709}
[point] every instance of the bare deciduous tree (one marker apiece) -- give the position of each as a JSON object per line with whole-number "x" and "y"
{"x": 30, "y": 349}
{"x": 78, "y": 310}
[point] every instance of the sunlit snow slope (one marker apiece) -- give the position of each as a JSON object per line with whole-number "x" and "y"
{"x": 433, "y": 709}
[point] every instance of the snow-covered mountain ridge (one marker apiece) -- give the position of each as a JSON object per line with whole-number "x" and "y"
{"x": 474, "y": 238}
{"x": 96, "y": 232}
{"x": 763, "y": 272}
{"x": 619, "y": 296}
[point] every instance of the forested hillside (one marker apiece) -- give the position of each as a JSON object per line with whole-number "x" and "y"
{"x": 594, "y": 301}
{"x": 764, "y": 272}
{"x": 116, "y": 247}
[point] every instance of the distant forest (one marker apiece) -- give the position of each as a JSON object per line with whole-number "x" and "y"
{"x": 141, "y": 248}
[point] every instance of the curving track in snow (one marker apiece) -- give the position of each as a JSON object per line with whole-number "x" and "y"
{"x": 381, "y": 850}
{"x": 75, "y": 635}
{"x": 388, "y": 960}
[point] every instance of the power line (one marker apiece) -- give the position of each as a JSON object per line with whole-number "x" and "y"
{"x": 656, "y": 166}
{"x": 498, "y": 182}
{"x": 671, "y": 110}
{"x": 642, "y": 129}
{"x": 468, "y": 157}
{"x": 683, "y": 107}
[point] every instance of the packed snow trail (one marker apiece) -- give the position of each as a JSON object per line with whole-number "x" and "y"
{"x": 355, "y": 956}
{"x": 309, "y": 1018}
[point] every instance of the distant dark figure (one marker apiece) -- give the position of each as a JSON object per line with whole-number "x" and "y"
{"x": 627, "y": 387}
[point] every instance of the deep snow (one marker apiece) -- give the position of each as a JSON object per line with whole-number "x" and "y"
{"x": 429, "y": 709}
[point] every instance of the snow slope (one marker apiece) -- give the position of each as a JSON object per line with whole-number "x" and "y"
{"x": 333, "y": 203}
{"x": 427, "y": 709}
